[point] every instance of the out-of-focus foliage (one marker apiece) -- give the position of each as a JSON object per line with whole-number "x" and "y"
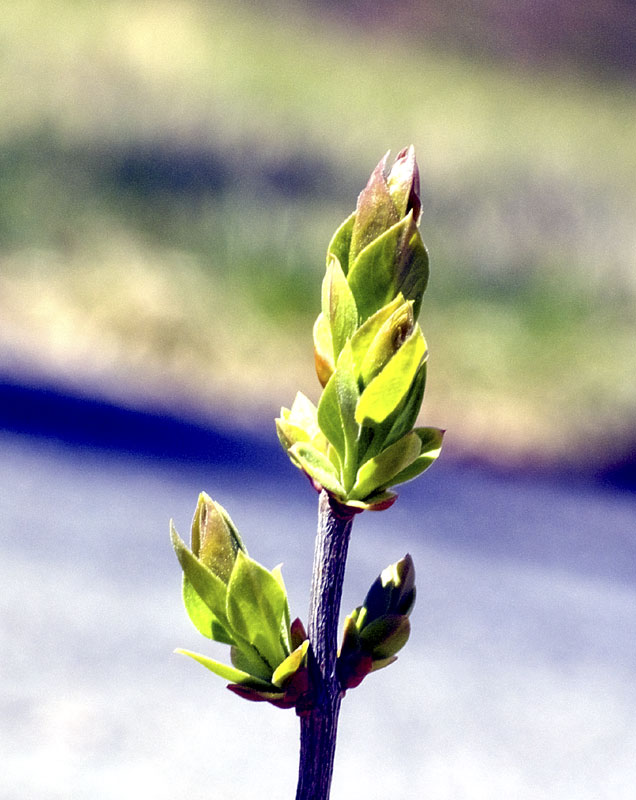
{"x": 597, "y": 36}
{"x": 170, "y": 173}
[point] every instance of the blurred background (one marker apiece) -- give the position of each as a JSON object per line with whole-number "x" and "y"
{"x": 170, "y": 176}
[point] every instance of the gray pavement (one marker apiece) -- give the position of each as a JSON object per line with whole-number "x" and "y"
{"x": 519, "y": 680}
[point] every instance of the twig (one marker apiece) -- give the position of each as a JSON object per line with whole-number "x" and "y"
{"x": 319, "y": 724}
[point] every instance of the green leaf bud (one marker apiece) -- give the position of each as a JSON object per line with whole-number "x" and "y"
{"x": 234, "y": 600}
{"x": 392, "y": 592}
{"x": 370, "y": 355}
{"x": 377, "y": 630}
{"x": 385, "y": 636}
{"x": 215, "y": 540}
{"x": 404, "y": 183}
{"x": 375, "y": 211}
{"x": 385, "y": 253}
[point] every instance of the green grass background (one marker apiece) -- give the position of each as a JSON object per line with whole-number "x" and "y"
{"x": 171, "y": 173}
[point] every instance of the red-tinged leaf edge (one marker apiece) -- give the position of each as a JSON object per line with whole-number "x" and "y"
{"x": 295, "y": 692}
{"x": 355, "y": 671}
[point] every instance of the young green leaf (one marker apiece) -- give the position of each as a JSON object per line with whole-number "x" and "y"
{"x": 289, "y": 434}
{"x": 396, "y": 261}
{"x": 323, "y": 349}
{"x": 304, "y": 414}
{"x": 226, "y": 672}
{"x": 317, "y": 466}
{"x": 340, "y": 306}
{"x": 330, "y": 418}
{"x": 413, "y": 268}
{"x": 347, "y": 393}
{"x": 405, "y": 415}
{"x": 287, "y": 668}
{"x": 340, "y": 243}
{"x": 201, "y": 616}
{"x": 387, "y": 341}
{"x": 247, "y": 658}
{"x": 379, "y": 471}
{"x": 366, "y": 333}
{"x": 256, "y": 607}
{"x": 207, "y": 585}
{"x": 286, "y": 623}
{"x": 385, "y": 636}
{"x": 385, "y": 392}
{"x": 431, "y": 445}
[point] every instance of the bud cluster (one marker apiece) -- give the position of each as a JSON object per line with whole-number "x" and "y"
{"x": 375, "y": 631}
{"x": 370, "y": 352}
{"x": 359, "y": 441}
{"x": 232, "y": 599}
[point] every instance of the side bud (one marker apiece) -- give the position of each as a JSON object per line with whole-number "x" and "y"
{"x": 375, "y": 631}
{"x": 233, "y": 599}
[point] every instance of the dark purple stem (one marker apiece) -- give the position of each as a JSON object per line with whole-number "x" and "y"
{"x": 319, "y": 724}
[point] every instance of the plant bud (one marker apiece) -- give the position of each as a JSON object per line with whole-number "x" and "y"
{"x": 215, "y": 540}
{"x": 369, "y": 352}
{"x": 404, "y": 184}
{"x": 379, "y": 247}
{"x": 375, "y": 631}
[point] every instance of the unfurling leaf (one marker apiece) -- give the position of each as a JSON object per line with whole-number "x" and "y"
{"x": 385, "y": 392}
{"x": 339, "y": 306}
{"x": 255, "y": 608}
{"x": 206, "y": 584}
{"x": 317, "y": 466}
{"x": 381, "y": 470}
{"x": 225, "y": 671}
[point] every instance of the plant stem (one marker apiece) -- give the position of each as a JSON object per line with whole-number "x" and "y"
{"x": 319, "y": 725}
